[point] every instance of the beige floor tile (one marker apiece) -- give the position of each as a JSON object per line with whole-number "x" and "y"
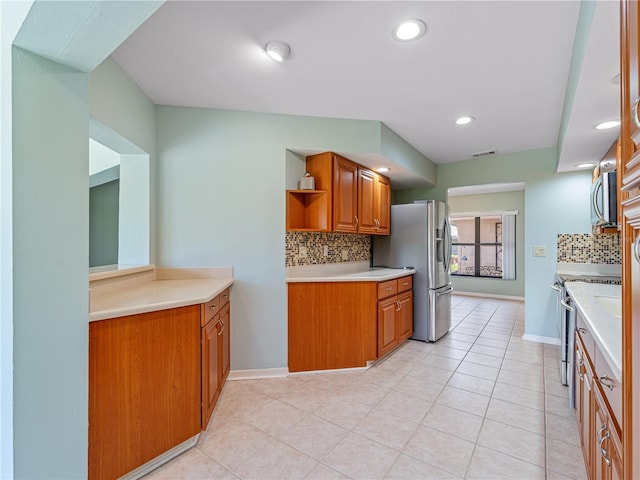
{"x": 275, "y": 386}
{"x": 429, "y": 373}
{"x": 322, "y": 472}
{"x": 360, "y": 458}
{"x": 233, "y": 445}
{"x": 564, "y": 429}
{"x": 276, "y": 461}
{"x": 455, "y": 422}
{"x": 462, "y": 400}
{"x": 530, "y": 381}
{"x": 463, "y": 337}
{"x": 453, "y": 343}
{"x": 521, "y": 367}
{"x": 477, "y": 370}
{"x": 441, "y": 362}
{"x": 441, "y": 450}
{"x": 513, "y": 441}
{"x": 274, "y": 417}
{"x": 383, "y": 377}
{"x": 468, "y": 329}
{"x": 406, "y": 467}
{"x": 307, "y": 399}
{"x": 492, "y": 342}
{"x": 417, "y": 387}
{"x": 449, "y": 352}
{"x": 565, "y": 459}
{"x": 313, "y": 436}
{"x": 551, "y": 475}
{"x": 342, "y": 411}
{"x": 483, "y": 359}
{"x": 554, "y": 387}
{"x": 404, "y": 406}
{"x": 471, "y": 383}
{"x": 521, "y": 396}
{"x": 516, "y": 415}
{"x": 366, "y": 394}
{"x": 527, "y": 357}
{"x": 399, "y": 366}
{"x": 495, "y": 335}
{"x": 559, "y": 406}
{"x": 192, "y": 464}
{"x": 385, "y": 428}
{"x": 234, "y": 407}
{"x": 493, "y": 351}
{"x": 490, "y": 464}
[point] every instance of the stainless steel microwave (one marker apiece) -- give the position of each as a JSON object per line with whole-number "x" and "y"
{"x": 604, "y": 200}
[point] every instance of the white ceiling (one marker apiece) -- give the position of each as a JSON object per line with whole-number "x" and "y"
{"x": 504, "y": 62}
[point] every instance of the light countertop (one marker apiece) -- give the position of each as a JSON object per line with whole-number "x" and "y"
{"x": 159, "y": 292}
{"x": 595, "y": 302}
{"x": 345, "y": 272}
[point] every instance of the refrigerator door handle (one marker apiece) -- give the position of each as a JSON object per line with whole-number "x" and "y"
{"x": 446, "y": 248}
{"x": 446, "y": 292}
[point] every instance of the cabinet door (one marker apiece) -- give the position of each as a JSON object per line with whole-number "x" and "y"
{"x": 224, "y": 341}
{"x": 210, "y": 366}
{"x": 383, "y": 205}
{"x": 405, "y": 316}
{"x": 345, "y": 196}
{"x": 607, "y": 456}
{"x": 367, "y": 208}
{"x": 583, "y": 377}
{"x": 387, "y": 332}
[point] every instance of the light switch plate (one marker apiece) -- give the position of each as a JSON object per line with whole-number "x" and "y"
{"x": 539, "y": 251}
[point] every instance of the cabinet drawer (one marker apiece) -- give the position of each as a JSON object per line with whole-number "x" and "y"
{"x": 587, "y": 338}
{"x": 387, "y": 289}
{"x": 210, "y": 310}
{"x": 405, "y": 283}
{"x": 610, "y": 386}
{"x": 224, "y": 298}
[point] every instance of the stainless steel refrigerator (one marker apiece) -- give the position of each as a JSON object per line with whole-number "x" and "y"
{"x": 421, "y": 238}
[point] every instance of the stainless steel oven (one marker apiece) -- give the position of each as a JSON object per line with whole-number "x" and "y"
{"x": 566, "y": 326}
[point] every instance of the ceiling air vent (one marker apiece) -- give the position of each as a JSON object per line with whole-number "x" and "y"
{"x": 488, "y": 153}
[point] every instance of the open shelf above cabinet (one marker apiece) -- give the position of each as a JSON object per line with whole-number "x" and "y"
{"x": 308, "y": 210}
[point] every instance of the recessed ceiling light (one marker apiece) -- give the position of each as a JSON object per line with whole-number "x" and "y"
{"x": 409, "y": 30}
{"x": 609, "y": 124}
{"x": 464, "y": 120}
{"x": 586, "y": 165}
{"x": 278, "y": 51}
{"x": 383, "y": 169}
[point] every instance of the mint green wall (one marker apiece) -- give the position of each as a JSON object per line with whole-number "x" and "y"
{"x": 50, "y": 263}
{"x": 493, "y": 202}
{"x": 118, "y": 103}
{"x": 103, "y": 223}
{"x": 554, "y": 203}
{"x": 221, "y": 201}
{"x": 395, "y": 147}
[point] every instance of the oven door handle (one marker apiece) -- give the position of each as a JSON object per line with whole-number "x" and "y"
{"x": 566, "y": 305}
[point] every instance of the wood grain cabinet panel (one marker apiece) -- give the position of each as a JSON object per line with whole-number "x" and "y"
{"x": 345, "y": 196}
{"x": 387, "y": 329}
{"x": 144, "y": 388}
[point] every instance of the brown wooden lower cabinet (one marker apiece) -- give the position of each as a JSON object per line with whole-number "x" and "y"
{"x": 154, "y": 380}
{"x": 597, "y": 423}
{"x": 144, "y": 388}
{"x": 336, "y": 325}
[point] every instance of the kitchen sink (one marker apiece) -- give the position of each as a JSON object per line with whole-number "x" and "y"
{"x": 613, "y": 305}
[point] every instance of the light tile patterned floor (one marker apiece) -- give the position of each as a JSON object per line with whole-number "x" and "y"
{"x": 481, "y": 403}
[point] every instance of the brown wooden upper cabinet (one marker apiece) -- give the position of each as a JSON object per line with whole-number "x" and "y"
{"x": 348, "y": 198}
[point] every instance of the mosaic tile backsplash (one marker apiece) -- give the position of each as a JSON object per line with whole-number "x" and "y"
{"x": 307, "y": 248}
{"x": 589, "y": 248}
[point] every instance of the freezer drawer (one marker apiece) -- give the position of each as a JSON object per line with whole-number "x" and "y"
{"x": 439, "y": 312}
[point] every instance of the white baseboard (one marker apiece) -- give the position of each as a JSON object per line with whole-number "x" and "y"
{"x": 258, "y": 373}
{"x": 161, "y": 459}
{"x": 489, "y": 295}
{"x": 540, "y": 339}
{"x": 334, "y": 370}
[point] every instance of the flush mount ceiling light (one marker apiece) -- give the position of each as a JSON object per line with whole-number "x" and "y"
{"x": 408, "y": 30}
{"x": 383, "y": 169}
{"x": 586, "y": 165}
{"x": 464, "y": 120}
{"x": 278, "y": 51}
{"x": 608, "y": 124}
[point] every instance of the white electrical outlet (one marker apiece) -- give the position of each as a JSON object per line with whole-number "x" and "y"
{"x": 325, "y": 250}
{"x": 539, "y": 251}
{"x": 303, "y": 251}
{"x": 345, "y": 254}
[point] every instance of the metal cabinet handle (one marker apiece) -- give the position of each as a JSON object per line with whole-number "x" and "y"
{"x": 556, "y": 287}
{"x": 566, "y": 305}
{"x": 581, "y": 370}
{"x": 636, "y": 249}
{"x": 606, "y": 381}
{"x": 399, "y": 306}
{"x": 222, "y": 329}
{"x": 357, "y": 221}
{"x": 634, "y": 113}
{"x": 213, "y": 307}
{"x": 603, "y": 451}
{"x": 404, "y": 284}
{"x": 582, "y": 330}
{"x": 389, "y": 289}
